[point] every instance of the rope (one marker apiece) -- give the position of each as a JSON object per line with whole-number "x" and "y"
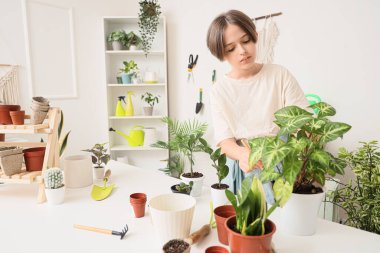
{"x": 9, "y": 87}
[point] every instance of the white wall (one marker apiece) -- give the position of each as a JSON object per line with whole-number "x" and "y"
{"x": 329, "y": 46}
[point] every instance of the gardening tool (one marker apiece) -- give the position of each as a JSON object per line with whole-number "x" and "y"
{"x": 213, "y": 78}
{"x": 183, "y": 246}
{"x": 199, "y": 105}
{"x": 191, "y": 66}
{"x": 104, "y": 231}
{"x": 136, "y": 135}
{"x": 119, "y": 107}
{"x": 99, "y": 192}
{"x": 129, "y": 105}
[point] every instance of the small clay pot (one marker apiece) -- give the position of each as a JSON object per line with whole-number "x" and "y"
{"x": 40, "y": 101}
{"x": 5, "y": 117}
{"x": 2, "y": 137}
{"x": 216, "y": 249}
{"x": 17, "y": 117}
{"x": 34, "y": 158}
{"x": 138, "y": 201}
{"x": 222, "y": 213}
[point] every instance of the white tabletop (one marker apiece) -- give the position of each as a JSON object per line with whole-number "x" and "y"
{"x": 26, "y": 225}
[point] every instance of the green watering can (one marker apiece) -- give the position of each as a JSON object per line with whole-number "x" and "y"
{"x": 136, "y": 135}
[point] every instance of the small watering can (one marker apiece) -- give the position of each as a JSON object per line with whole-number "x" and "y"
{"x": 136, "y": 135}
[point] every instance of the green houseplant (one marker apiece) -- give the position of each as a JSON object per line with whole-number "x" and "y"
{"x": 360, "y": 198}
{"x": 118, "y": 39}
{"x": 132, "y": 41}
{"x": 129, "y": 70}
{"x": 250, "y": 230}
{"x": 149, "y": 16}
{"x": 54, "y": 186}
{"x": 99, "y": 157}
{"x": 182, "y": 188}
{"x": 185, "y": 138}
{"x": 175, "y": 165}
{"x": 151, "y": 100}
{"x": 304, "y": 158}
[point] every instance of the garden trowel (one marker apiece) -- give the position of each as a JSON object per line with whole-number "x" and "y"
{"x": 102, "y": 192}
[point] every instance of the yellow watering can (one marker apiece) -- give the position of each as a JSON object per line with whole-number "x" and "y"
{"x": 136, "y": 135}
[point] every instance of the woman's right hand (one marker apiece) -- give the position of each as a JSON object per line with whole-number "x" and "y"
{"x": 243, "y": 161}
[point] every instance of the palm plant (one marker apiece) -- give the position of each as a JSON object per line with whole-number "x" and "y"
{"x": 185, "y": 138}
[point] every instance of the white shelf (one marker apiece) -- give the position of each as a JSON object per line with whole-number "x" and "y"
{"x": 138, "y": 85}
{"x": 137, "y": 117}
{"x": 139, "y": 148}
{"x": 136, "y": 52}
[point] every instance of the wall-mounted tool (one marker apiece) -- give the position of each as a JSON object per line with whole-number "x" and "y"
{"x": 191, "y": 66}
{"x": 199, "y": 105}
{"x": 213, "y": 78}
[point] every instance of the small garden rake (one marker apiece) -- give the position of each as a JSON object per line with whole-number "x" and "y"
{"x": 104, "y": 231}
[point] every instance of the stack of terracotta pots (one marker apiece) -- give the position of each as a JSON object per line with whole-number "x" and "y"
{"x": 5, "y": 117}
{"x": 138, "y": 201}
{"x": 40, "y": 107}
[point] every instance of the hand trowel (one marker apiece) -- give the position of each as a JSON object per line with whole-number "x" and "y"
{"x": 102, "y": 192}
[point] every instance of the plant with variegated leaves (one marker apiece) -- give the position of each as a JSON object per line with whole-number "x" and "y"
{"x": 304, "y": 160}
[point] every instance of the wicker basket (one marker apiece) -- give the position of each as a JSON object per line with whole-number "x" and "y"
{"x": 11, "y": 164}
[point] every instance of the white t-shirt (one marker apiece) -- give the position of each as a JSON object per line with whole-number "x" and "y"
{"x": 245, "y": 108}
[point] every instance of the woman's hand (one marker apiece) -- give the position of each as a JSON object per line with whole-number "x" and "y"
{"x": 243, "y": 161}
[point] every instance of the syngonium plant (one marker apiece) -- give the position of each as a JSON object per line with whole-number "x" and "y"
{"x": 304, "y": 159}
{"x": 99, "y": 154}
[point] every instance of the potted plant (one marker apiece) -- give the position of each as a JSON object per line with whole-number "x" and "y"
{"x": 130, "y": 69}
{"x": 186, "y": 138}
{"x": 149, "y": 15}
{"x": 132, "y": 41}
{"x": 182, "y": 188}
{"x": 54, "y": 187}
{"x": 151, "y": 100}
{"x": 250, "y": 230}
{"x": 175, "y": 166}
{"x": 360, "y": 199}
{"x": 304, "y": 161}
{"x": 99, "y": 158}
{"x": 117, "y": 38}
{"x": 217, "y": 190}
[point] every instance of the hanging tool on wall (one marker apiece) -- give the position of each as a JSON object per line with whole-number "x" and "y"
{"x": 191, "y": 66}
{"x": 199, "y": 105}
{"x": 213, "y": 78}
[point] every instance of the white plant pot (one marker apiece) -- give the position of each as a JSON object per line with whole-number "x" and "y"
{"x": 150, "y": 136}
{"x": 116, "y": 45}
{"x": 148, "y": 110}
{"x": 299, "y": 215}
{"x": 172, "y": 215}
{"x": 132, "y": 48}
{"x": 196, "y": 191}
{"x": 55, "y": 196}
{"x": 78, "y": 171}
{"x": 99, "y": 172}
{"x": 218, "y": 197}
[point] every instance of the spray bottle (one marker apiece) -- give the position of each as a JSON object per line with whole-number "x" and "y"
{"x": 129, "y": 106}
{"x": 120, "y": 112}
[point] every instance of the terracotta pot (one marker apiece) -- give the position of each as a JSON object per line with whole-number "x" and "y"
{"x": 138, "y": 201}
{"x": 17, "y": 117}
{"x": 216, "y": 249}
{"x": 34, "y": 158}
{"x": 5, "y": 117}
{"x": 2, "y": 137}
{"x": 249, "y": 243}
{"x": 222, "y": 213}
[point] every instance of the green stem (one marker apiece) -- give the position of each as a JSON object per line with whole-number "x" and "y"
{"x": 272, "y": 208}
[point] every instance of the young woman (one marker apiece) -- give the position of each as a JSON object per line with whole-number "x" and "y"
{"x": 244, "y": 101}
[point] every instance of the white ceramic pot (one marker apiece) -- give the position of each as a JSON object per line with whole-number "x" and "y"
{"x": 150, "y": 136}
{"x": 148, "y": 110}
{"x": 172, "y": 215}
{"x": 99, "y": 172}
{"x": 299, "y": 215}
{"x": 116, "y": 45}
{"x": 132, "y": 48}
{"x": 196, "y": 191}
{"x": 218, "y": 197}
{"x": 78, "y": 171}
{"x": 150, "y": 77}
{"x": 55, "y": 196}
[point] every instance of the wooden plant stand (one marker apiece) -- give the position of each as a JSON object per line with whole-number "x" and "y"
{"x": 51, "y": 158}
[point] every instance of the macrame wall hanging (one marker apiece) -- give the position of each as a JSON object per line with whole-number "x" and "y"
{"x": 9, "y": 84}
{"x": 267, "y": 38}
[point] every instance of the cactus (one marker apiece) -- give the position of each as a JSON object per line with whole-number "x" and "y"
{"x": 53, "y": 178}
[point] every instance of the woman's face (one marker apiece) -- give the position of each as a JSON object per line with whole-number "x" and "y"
{"x": 240, "y": 50}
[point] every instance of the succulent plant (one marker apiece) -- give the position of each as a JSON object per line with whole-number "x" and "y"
{"x": 53, "y": 178}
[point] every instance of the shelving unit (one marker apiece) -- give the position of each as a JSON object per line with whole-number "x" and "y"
{"x": 142, "y": 156}
{"x": 51, "y": 158}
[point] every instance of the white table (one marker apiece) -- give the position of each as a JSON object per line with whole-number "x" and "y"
{"x": 26, "y": 225}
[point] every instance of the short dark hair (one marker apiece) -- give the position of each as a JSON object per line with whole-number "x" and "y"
{"x": 215, "y": 34}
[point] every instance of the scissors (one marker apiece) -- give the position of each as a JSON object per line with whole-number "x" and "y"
{"x": 191, "y": 66}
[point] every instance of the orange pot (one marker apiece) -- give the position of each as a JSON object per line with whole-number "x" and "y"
{"x": 17, "y": 117}
{"x": 249, "y": 243}
{"x": 5, "y": 118}
{"x": 222, "y": 213}
{"x": 138, "y": 201}
{"x": 34, "y": 158}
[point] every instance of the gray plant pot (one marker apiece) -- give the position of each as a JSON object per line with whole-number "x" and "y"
{"x": 148, "y": 110}
{"x": 116, "y": 45}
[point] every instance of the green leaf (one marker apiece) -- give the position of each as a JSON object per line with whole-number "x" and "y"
{"x": 60, "y": 126}
{"x": 319, "y": 176}
{"x": 245, "y": 189}
{"x": 214, "y": 156}
{"x": 256, "y": 227}
{"x": 275, "y": 151}
{"x": 291, "y": 167}
{"x": 282, "y": 191}
{"x": 298, "y": 144}
{"x": 293, "y": 124}
{"x": 315, "y": 125}
{"x": 337, "y": 165}
{"x": 222, "y": 160}
{"x": 268, "y": 176}
{"x": 324, "y": 109}
{"x": 290, "y": 112}
{"x": 223, "y": 172}
{"x": 231, "y": 197}
{"x": 333, "y": 130}
{"x": 257, "y": 146}
{"x": 64, "y": 144}
{"x": 321, "y": 157}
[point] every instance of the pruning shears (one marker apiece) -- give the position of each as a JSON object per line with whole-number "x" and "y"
{"x": 191, "y": 66}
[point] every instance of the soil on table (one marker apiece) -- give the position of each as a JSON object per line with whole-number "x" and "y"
{"x": 220, "y": 187}
{"x": 307, "y": 189}
{"x": 175, "y": 246}
{"x": 195, "y": 175}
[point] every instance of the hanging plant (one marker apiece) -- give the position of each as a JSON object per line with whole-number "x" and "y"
{"x": 148, "y": 22}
